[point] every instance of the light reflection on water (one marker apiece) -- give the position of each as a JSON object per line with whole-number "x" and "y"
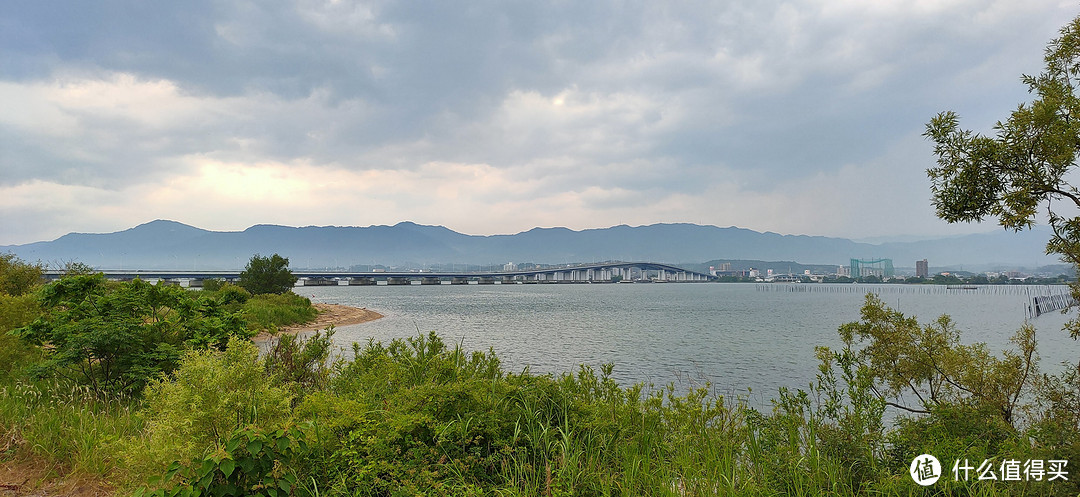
{"x": 735, "y": 336}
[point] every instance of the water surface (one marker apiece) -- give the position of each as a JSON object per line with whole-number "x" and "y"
{"x": 736, "y": 336}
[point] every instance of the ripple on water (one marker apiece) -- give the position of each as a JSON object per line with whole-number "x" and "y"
{"x": 734, "y": 335}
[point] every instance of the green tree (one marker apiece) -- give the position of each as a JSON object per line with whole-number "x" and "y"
{"x": 927, "y": 364}
{"x": 16, "y": 276}
{"x": 18, "y": 307}
{"x": 115, "y": 337}
{"x": 1027, "y": 165}
{"x": 267, "y": 275}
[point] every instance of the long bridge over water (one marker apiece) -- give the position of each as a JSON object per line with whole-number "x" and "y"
{"x": 601, "y": 272}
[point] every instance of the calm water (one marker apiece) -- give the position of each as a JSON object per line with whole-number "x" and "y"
{"x": 737, "y": 336}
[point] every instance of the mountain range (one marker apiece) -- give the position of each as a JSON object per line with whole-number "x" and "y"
{"x": 165, "y": 244}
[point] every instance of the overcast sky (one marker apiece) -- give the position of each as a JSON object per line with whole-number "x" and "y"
{"x": 799, "y": 117}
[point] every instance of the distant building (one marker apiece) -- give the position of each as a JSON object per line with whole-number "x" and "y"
{"x": 882, "y": 268}
{"x": 510, "y": 266}
{"x": 922, "y": 269}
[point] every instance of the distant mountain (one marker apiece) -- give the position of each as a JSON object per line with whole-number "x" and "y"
{"x": 171, "y": 245}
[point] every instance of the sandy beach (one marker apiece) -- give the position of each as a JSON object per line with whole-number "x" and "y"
{"x": 329, "y": 314}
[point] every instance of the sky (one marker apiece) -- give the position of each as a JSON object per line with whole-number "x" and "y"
{"x": 797, "y": 117}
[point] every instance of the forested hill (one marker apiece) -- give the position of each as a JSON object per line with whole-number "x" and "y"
{"x": 172, "y": 245}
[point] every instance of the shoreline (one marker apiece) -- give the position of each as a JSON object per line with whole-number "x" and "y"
{"x": 329, "y": 314}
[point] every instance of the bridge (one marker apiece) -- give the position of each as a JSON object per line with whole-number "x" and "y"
{"x": 601, "y": 272}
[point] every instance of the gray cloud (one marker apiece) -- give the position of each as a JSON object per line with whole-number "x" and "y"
{"x": 604, "y": 100}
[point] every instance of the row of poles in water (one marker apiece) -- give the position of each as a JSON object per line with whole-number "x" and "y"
{"x": 1043, "y": 298}
{"x": 1028, "y": 290}
{"x": 1042, "y": 304}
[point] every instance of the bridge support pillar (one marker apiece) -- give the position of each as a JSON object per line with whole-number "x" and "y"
{"x": 361, "y": 281}
{"x": 459, "y": 281}
{"x": 397, "y": 281}
{"x": 428, "y": 280}
{"x": 319, "y": 282}
{"x": 486, "y": 280}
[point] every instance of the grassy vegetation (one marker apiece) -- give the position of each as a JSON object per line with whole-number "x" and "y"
{"x": 416, "y": 417}
{"x": 67, "y": 426}
{"x": 271, "y": 310}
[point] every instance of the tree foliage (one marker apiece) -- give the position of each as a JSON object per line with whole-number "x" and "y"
{"x": 1027, "y": 165}
{"x": 18, "y": 307}
{"x": 18, "y": 277}
{"x": 267, "y": 275}
{"x": 918, "y": 368}
{"x": 115, "y": 337}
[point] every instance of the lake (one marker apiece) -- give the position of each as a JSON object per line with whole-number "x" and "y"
{"x": 737, "y": 336}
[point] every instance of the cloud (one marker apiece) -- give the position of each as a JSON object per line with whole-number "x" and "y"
{"x": 496, "y": 118}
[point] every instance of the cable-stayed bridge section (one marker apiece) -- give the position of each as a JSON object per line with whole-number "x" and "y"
{"x": 602, "y": 272}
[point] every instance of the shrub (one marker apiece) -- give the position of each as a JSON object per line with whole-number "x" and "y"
{"x": 250, "y": 462}
{"x": 115, "y": 337}
{"x": 211, "y": 394}
{"x": 301, "y": 364}
{"x": 212, "y": 284}
{"x": 930, "y": 364}
{"x": 230, "y": 294}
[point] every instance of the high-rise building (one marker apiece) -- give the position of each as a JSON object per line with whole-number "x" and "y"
{"x": 922, "y": 270}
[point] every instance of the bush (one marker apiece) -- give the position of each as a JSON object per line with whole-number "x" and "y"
{"x": 930, "y": 364}
{"x": 212, "y": 284}
{"x": 250, "y": 462}
{"x": 230, "y": 294}
{"x": 211, "y": 394}
{"x": 301, "y": 364}
{"x": 418, "y": 417}
{"x": 115, "y": 337}
{"x": 226, "y": 293}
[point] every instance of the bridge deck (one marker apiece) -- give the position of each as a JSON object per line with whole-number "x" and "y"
{"x": 583, "y": 272}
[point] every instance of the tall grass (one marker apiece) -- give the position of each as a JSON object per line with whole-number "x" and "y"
{"x": 417, "y": 417}
{"x": 437, "y": 417}
{"x": 66, "y": 425}
{"x": 267, "y": 311}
